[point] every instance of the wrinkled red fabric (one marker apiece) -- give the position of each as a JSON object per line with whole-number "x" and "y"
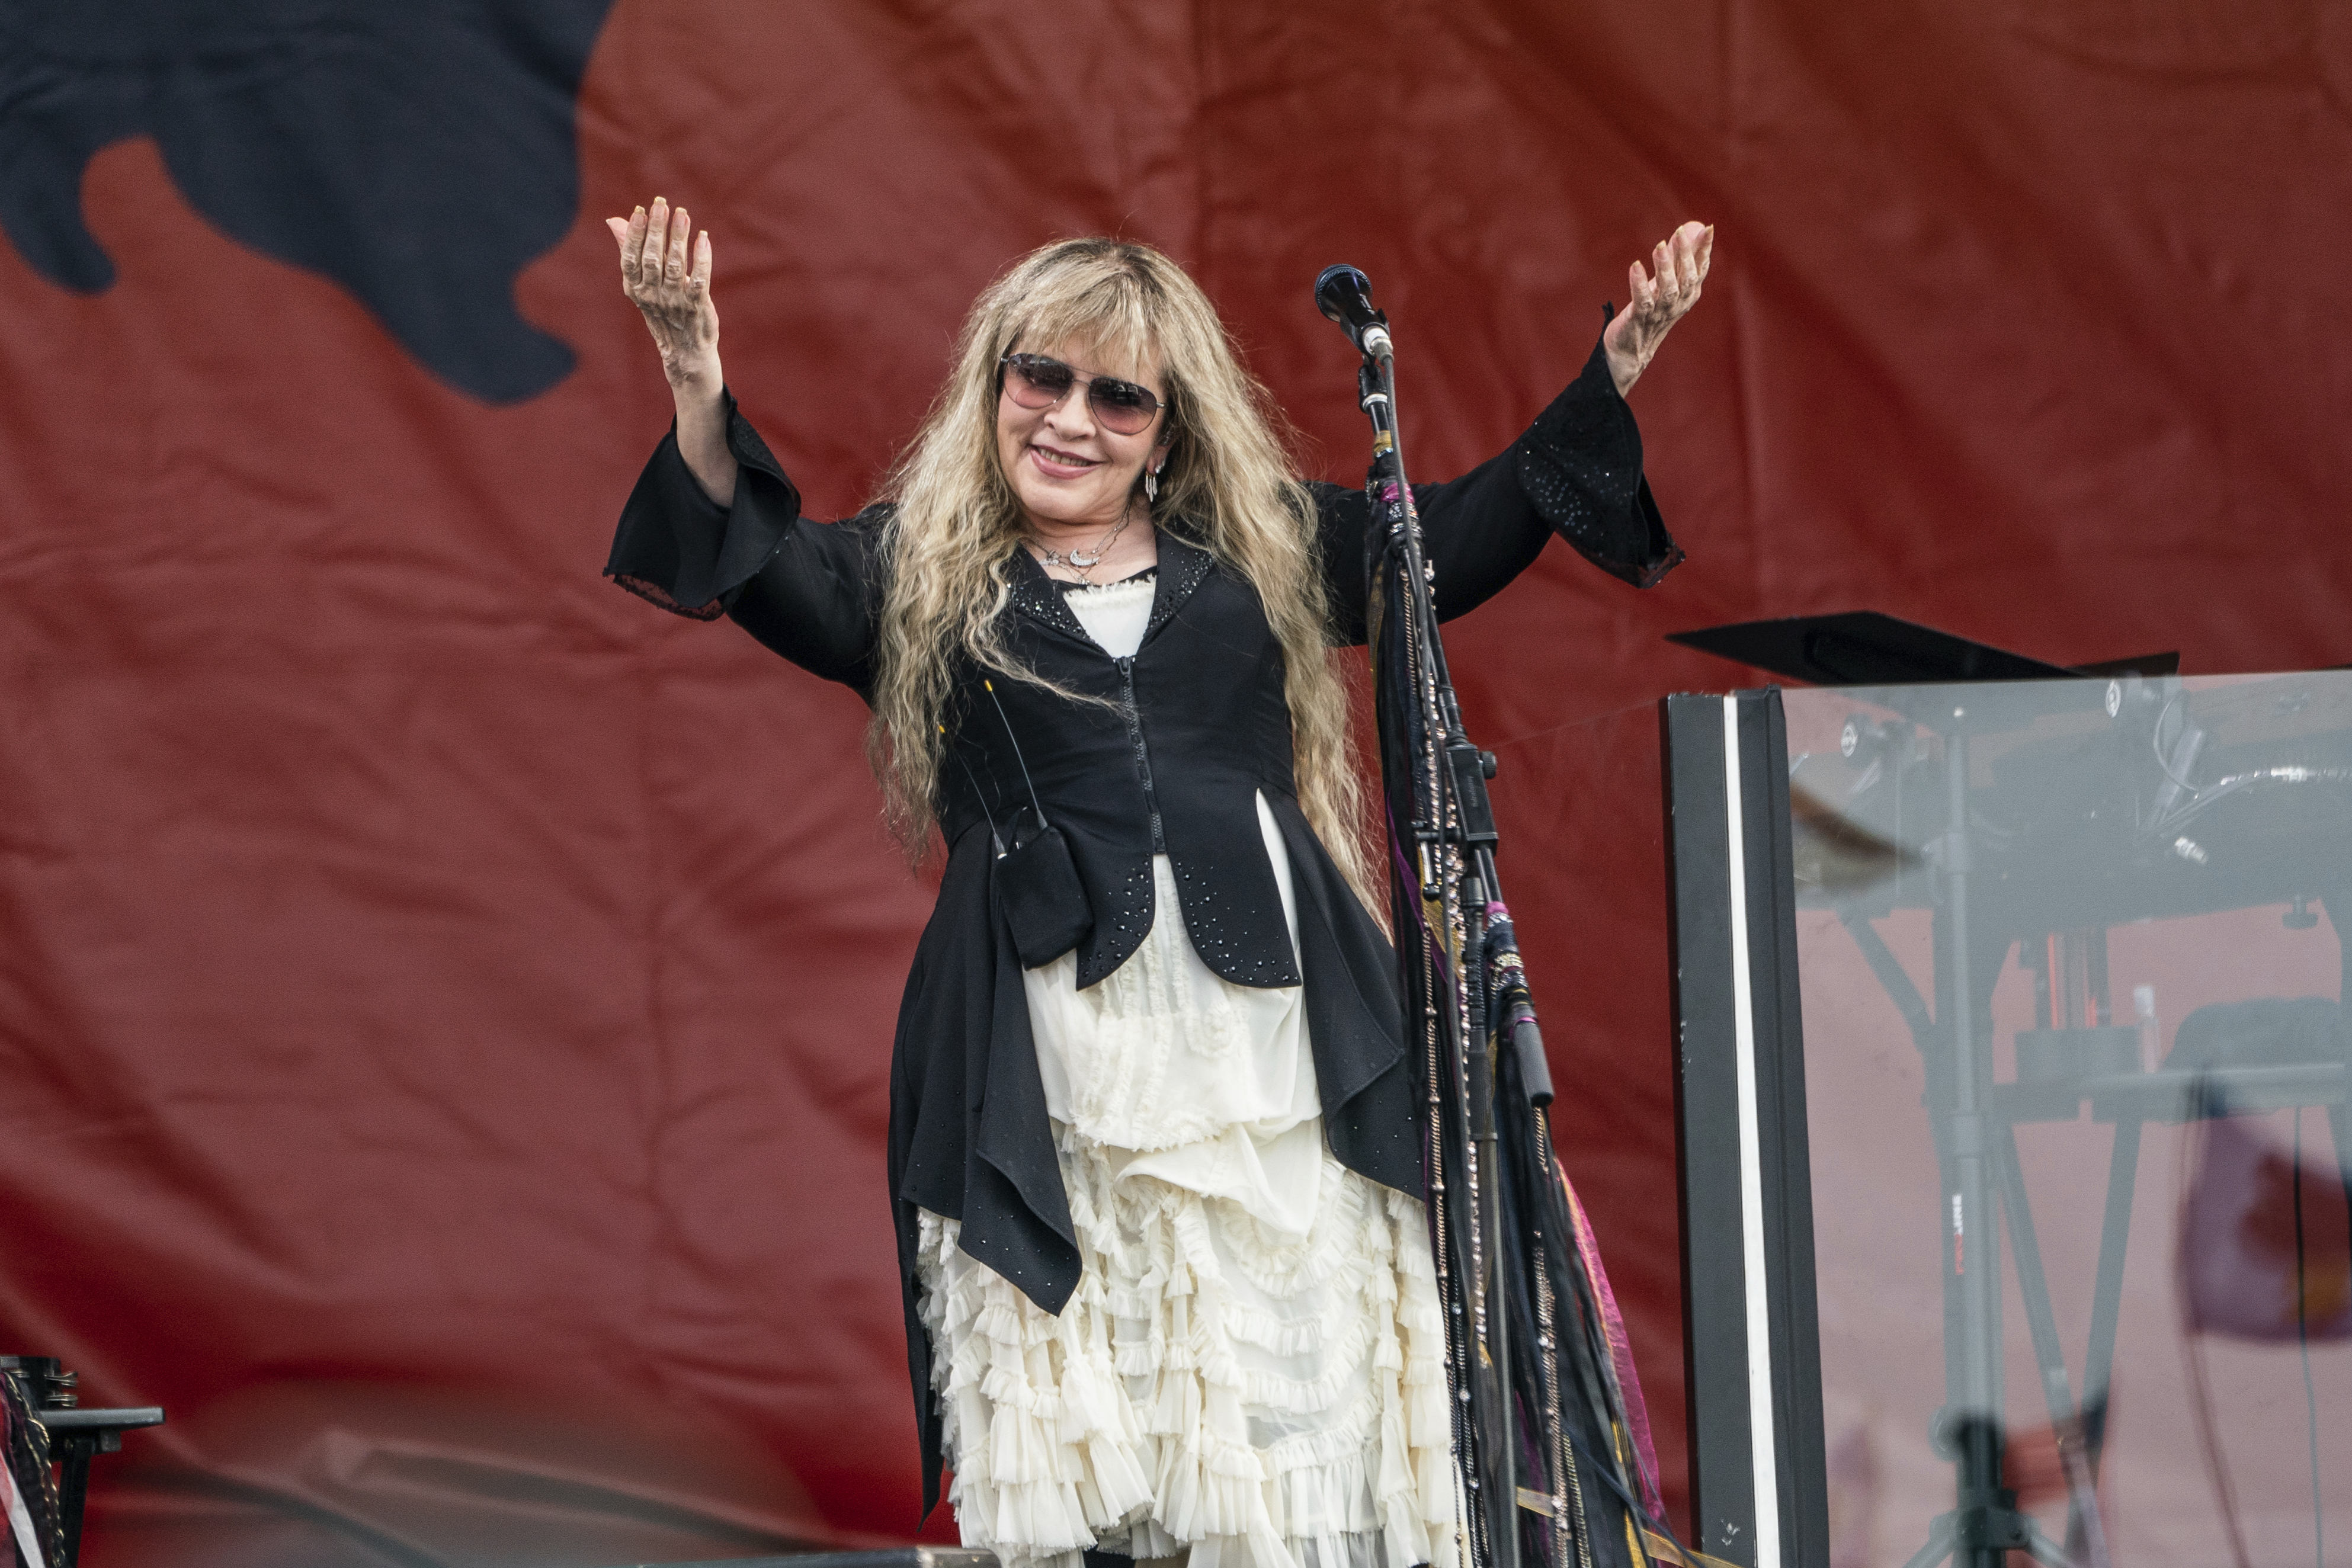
{"x": 447, "y": 1003}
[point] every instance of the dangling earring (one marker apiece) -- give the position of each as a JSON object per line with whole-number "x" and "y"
{"x": 1150, "y": 485}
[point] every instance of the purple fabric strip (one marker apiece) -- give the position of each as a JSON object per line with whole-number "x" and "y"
{"x": 1621, "y": 1349}
{"x": 1412, "y": 897}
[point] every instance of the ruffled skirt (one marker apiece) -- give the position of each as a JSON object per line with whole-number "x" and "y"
{"x": 1268, "y": 1402}
{"x": 1251, "y": 1369}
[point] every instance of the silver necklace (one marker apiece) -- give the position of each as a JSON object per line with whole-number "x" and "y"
{"x": 1083, "y": 562}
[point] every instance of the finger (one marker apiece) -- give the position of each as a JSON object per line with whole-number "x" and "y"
{"x": 681, "y": 231}
{"x": 620, "y": 231}
{"x": 1688, "y": 240}
{"x": 702, "y": 263}
{"x": 1686, "y": 287}
{"x": 1637, "y": 285}
{"x": 656, "y": 240}
{"x": 1705, "y": 250}
{"x": 631, "y": 242}
{"x": 639, "y": 274}
{"x": 1670, "y": 282}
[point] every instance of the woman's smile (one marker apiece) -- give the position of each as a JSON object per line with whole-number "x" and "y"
{"x": 1056, "y": 464}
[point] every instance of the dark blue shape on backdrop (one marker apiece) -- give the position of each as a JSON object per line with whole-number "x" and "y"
{"x": 420, "y": 153}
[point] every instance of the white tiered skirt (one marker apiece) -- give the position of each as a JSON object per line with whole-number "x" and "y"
{"x": 1251, "y": 1370}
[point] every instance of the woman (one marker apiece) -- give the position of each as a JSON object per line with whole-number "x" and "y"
{"x": 1153, "y": 1149}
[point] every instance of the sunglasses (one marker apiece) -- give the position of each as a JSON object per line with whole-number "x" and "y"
{"x": 1033, "y": 380}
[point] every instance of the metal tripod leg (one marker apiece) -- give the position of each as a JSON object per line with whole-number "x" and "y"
{"x": 2065, "y": 1423}
{"x": 2107, "y": 1293}
{"x": 1938, "y": 1546}
{"x": 1990, "y": 1524}
{"x": 2048, "y": 1552}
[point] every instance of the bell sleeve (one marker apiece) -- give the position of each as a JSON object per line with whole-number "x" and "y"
{"x": 804, "y": 589}
{"x": 1576, "y": 472}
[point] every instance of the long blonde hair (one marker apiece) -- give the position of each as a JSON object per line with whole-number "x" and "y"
{"x": 1228, "y": 486}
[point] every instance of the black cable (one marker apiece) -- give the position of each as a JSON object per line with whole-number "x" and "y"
{"x": 2303, "y": 1347}
{"x": 999, "y": 706}
{"x": 994, "y": 838}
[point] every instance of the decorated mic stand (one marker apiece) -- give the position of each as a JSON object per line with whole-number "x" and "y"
{"x": 1541, "y": 1443}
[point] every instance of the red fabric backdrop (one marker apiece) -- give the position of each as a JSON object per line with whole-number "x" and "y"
{"x": 446, "y": 1001}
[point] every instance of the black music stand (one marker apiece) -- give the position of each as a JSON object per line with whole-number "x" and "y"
{"x": 1866, "y": 648}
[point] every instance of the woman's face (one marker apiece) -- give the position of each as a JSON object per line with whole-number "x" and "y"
{"x": 1064, "y": 465}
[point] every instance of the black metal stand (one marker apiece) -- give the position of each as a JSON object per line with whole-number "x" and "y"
{"x": 1985, "y": 1521}
{"x": 75, "y": 1435}
{"x": 1982, "y": 1179}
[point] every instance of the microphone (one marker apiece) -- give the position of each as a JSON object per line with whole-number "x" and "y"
{"x": 1345, "y": 295}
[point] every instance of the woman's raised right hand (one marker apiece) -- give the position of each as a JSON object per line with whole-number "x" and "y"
{"x": 672, "y": 293}
{"x": 675, "y": 300}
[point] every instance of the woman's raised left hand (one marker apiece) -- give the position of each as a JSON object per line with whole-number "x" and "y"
{"x": 1662, "y": 297}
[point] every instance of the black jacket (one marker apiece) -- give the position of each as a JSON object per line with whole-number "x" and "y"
{"x": 1190, "y": 731}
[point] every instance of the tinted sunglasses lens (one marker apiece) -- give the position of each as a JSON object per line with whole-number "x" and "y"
{"x": 1037, "y": 383}
{"x": 1122, "y": 405}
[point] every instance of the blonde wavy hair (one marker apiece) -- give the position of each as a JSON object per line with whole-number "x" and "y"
{"x": 1228, "y": 486}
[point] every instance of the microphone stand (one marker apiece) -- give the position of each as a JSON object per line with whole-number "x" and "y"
{"x": 1443, "y": 835}
{"x": 1502, "y": 1227}
{"x": 1537, "y": 1408}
